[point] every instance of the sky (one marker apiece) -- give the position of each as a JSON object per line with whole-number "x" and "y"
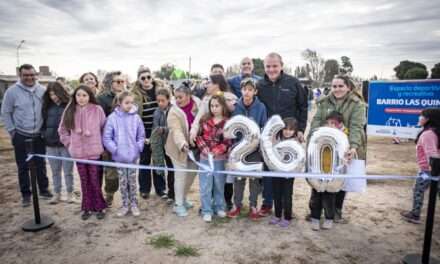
{"x": 73, "y": 37}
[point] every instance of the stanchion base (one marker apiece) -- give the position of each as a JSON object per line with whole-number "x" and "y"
{"x": 417, "y": 259}
{"x": 31, "y": 226}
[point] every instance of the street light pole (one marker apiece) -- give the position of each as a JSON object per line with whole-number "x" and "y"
{"x": 18, "y": 52}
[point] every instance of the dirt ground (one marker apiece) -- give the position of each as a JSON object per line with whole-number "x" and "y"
{"x": 375, "y": 232}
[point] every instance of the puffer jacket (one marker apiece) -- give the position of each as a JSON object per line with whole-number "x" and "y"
{"x": 51, "y": 124}
{"x": 124, "y": 135}
{"x": 85, "y": 140}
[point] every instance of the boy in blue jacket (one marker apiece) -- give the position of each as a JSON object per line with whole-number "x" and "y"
{"x": 250, "y": 106}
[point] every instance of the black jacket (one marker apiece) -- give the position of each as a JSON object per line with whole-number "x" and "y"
{"x": 285, "y": 97}
{"x": 51, "y": 123}
{"x": 105, "y": 100}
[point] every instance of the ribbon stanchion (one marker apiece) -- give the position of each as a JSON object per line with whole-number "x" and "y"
{"x": 39, "y": 222}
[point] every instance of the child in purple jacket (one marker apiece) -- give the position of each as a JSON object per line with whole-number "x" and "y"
{"x": 124, "y": 136}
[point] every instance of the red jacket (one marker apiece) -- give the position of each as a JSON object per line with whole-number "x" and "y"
{"x": 211, "y": 140}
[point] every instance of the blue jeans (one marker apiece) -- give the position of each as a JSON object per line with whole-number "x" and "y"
{"x": 267, "y": 192}
{"x": 212, "y": 184}
{"x": 58, "y": 165}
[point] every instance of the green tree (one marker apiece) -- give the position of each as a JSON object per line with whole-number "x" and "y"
{"x": 416, "y": 73}
{"x": 346, "y": 65}
{"x": 331, "y": 68}
{"x": 165, "y": 71}
{"x": 435, "y": 71}
{"x": 405, "y": 66}
{"x": 258, "y": 66}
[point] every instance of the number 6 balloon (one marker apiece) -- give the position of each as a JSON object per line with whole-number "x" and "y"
{"x": 287, "y": 155}
{"x": 325, "y": 154}
{"x": 249, "y": 143}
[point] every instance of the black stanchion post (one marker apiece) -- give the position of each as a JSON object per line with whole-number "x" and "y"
{"x": 425, "y": 257}
{"x": 39, "y": 222}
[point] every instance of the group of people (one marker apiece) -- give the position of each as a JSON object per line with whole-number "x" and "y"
{"x": 154, "y": 125}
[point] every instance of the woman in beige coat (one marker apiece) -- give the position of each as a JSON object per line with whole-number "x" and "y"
{"x": 180, "y": 118}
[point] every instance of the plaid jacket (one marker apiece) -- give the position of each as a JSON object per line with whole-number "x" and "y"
{"x": 211, "y": 140}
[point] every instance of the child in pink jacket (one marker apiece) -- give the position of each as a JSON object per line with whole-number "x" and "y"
{"x": 81, "y": 132}
{"x": 428, "y": 145}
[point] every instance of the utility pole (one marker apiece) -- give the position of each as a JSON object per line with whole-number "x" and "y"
{"x": 18, "y": 52}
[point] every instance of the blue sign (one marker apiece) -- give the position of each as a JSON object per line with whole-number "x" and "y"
{"x": 394, "y": 106}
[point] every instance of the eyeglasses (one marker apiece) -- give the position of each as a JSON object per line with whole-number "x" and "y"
{"x": 29, "y": 75}
{"x": 338, "y": 86}
{"x": 119, "y": 81}
{"x": 143, "y": 78}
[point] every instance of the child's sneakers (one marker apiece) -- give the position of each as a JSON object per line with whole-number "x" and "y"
{"x": 71, "y": 198}
{"x": 135, "y": 210}
{"x": 265, "y": 211}
{"x": 315, "y": 224}
{"x": 207, "y": 218}
{"x": 234, "y": 213}
{"x": 55, "y": 199}
{"x": 180, "y": 210}
{"x": 122, "y": 211}
{"x": 411, "y": 217}
{"x": 274, "y": 221}
{"x": 284, "y": 223}
{"x": 253, "y": 214}
{"x": 221, "y": 214}
{"x": 328, "y": 224}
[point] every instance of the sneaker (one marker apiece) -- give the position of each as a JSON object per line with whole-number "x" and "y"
{"x": 180, "y": 210}
{"x": 135, "y": 210}
{"x": 71, "y": 198}
{"x": 207, "y": 218}
{"x": 188, "y": 204}
{"x": 328, "y": 224}
{"x": 100, "y": 215}
{"x": 46, "y": 195}
{"x": 221, "y": 214}
{"x": 170, "y": 201}
{"x": 26, "y": 201}
{"x": 274, "y": 221}
{"x": 145, "y": 196}
{"x": 411, "y": 217}
{"x": 85, "y": 215}
{"x": 122, "y": 211}
{"x": 284, "y": 223}
{"x": 234, "y": 213}
{"x": 265, "y": 211}
{"x": 55, "y": 199}
{"x": 163, "y": 196}
{"x": 253, "y": 214}
{"x": 315, "y": 224}
{"x": 109, "y": 199}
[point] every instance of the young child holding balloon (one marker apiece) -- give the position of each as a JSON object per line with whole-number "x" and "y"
{"x": 211, "y": 142}
{"x": 282, "y": 188}
{"x": 250, "y": 106}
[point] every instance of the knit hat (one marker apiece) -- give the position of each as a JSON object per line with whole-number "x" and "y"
{"x": 142, "y": 69}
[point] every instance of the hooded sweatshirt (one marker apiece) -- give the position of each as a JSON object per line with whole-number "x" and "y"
{"x": 124, "y": 135}
{"x": 21, "y": 109}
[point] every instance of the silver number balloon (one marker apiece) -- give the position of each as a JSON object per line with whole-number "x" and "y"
{"x": 334, "y": 143}
{"x": 249, "y": 143}
{"x": 287, "y": 155}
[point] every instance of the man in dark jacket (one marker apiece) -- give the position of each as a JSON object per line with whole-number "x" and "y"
{"x": 246, "y": 71}
{"x": 283, "y": 95}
